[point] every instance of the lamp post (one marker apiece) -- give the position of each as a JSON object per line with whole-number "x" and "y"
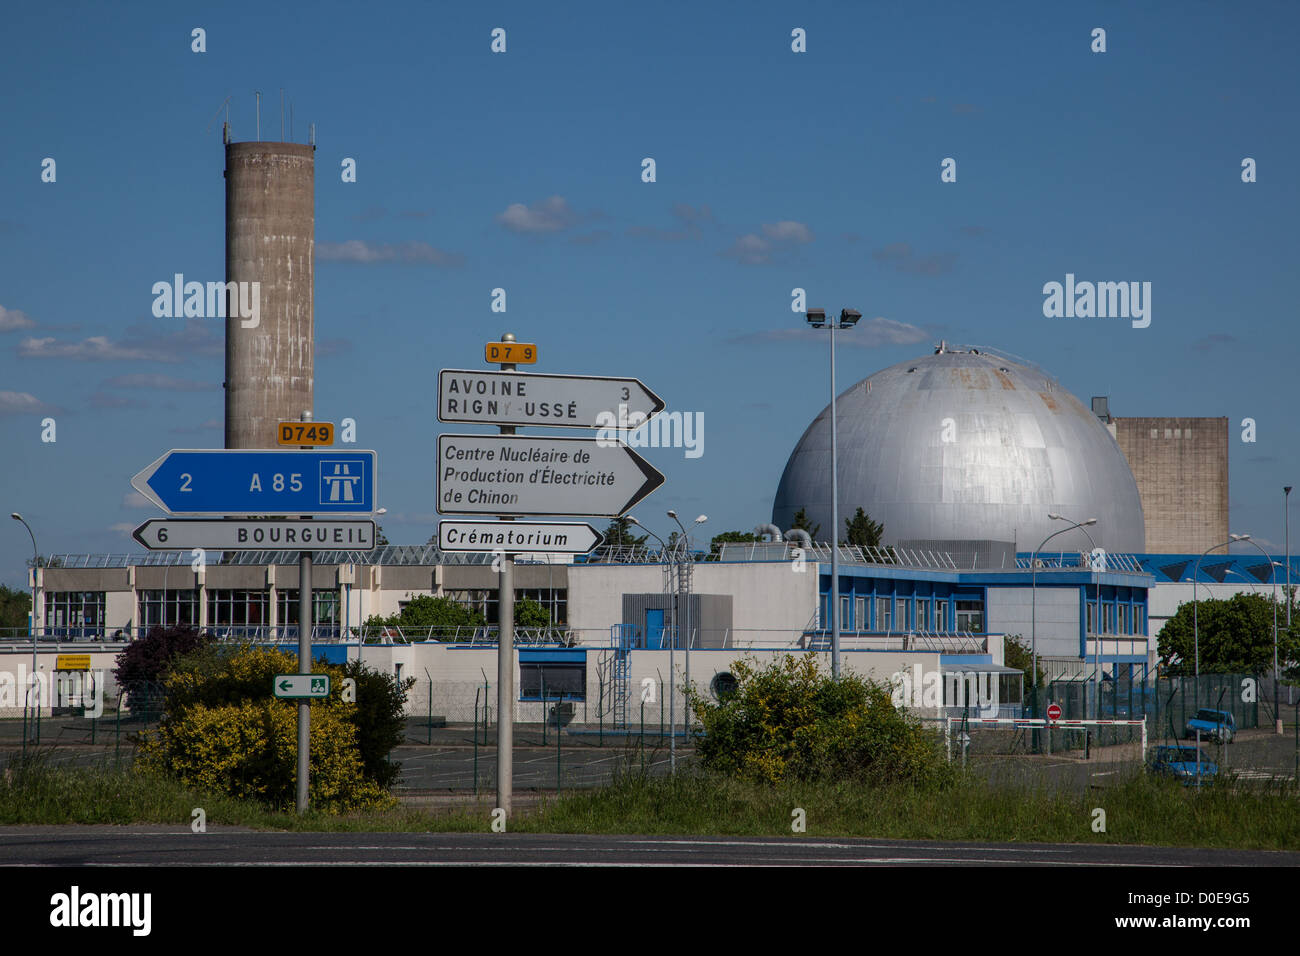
{"x": 1096, "y": 697}
{"x": 36, "y": 562}
{"x": 686, "y": 608}
{"x": 817, "y": 319}
{"x": 1272, "y": 572}
{"x": 1286, "y": 511}
{"x": 1033, "y": 618}
{"x": 672, "y": 714}
{"x": 1196, "y": 621}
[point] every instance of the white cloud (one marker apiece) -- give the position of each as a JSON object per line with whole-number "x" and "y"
{"x": 366, "y": 253}
{"x": 11, "y": 319}
{"x": 549, "y": 215}
{"x": 787, "y": 231}
{"x": 23, "y": 403}
{"x": 122, "y": 527}
{"x": 133, "y": 499}
{"x": 750, "y": 249}
{"x": 164, "y": 382}
{"x": 97, "y": 348}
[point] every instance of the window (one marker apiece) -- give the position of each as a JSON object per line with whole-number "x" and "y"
{"x": 900, "y": 614}
{"x": 324, "y": 609}
{"x": 182, "y": 608}
{"x": 922, "y": 615}
{"x": 555, "y": 600}
{"x": 1125, "y": 619}
{"x": 75, "y": 613}
{"x": 546, "y": 680}
{"x": 239, "y": 612}
{"x": 1091, "y": 608}
{"x": 860, "y": 621}
{"x": 882, "y": 614}
{"x": 970, "y": 616}
{"x": 1108, "y": 618}
{"x": 846, "y": 608}
{"x": 941, "y": 616}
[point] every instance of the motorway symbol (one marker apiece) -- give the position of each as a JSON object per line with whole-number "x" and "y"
{"x": 518, "y": 353}
{"x": 260, "y": 482}
{"x": 562, "y": 401}
{"x": 520, "y": 475}
{"x": 215, "y": 534}
{"x": 305, "y": 433}
{"x": 301, "y": 685}
{"x": 534, "y": 537}
{"x": 1053, "y": 711}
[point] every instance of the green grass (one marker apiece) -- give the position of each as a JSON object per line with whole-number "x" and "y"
{"x": 1139, "y": 810}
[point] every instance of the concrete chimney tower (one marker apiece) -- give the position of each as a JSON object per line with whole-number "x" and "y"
{"x": 270, "y": 241}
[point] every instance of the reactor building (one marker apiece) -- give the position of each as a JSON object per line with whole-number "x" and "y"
{"x": 270, "y": 237}
{"x": 967, "y": 451}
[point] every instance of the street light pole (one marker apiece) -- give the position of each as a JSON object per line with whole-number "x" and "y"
{"x": 817, "y": 319}
{"x": 1286, "y": 511}
{"x": 1272, "y": 570}
{"x": 690, "y": 570}
{"x": 672, "y": 714}
{"x": 1033, "y": 617}
{"x": 1196, "y": 620}
{"x": 1096, "y": 697}
{"x": 36, "y": 564}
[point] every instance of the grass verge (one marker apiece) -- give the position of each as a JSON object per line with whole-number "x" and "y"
{"x": 1138, "y": 810}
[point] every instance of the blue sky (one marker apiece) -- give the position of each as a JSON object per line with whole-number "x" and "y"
{"x": 775, "y": 170}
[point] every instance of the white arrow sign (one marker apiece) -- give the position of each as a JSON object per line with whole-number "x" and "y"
{"x": 165, "y": 534}
{"x": 537, "y": 537}
{"x": 562, "y": 401}
{"x": 519, "y": 475}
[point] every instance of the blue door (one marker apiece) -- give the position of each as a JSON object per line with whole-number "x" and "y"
{"x": 654, "y": 629}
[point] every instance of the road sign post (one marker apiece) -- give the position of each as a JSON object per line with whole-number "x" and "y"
{"x": 535, "y": 537}
{"x": 216, "y": 534}
{"x": 260, "y": 482}
{"x": 524, "y": 475}
{"x": 301, "y": 686}
{"x": 558, "y": 401}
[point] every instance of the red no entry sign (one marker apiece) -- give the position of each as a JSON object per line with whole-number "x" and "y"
{"x": 1053, "y": 711}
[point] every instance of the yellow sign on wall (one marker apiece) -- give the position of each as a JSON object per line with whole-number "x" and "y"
{"x": 305, "y": 433}
{"x": 72, "y": 662}
{"x": 517, "y": 353}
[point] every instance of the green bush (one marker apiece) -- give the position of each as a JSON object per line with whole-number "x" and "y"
{"x": 224, "y": 731}
{"x": 788, "y": 721}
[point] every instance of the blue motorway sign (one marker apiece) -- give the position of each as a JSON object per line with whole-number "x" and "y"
{"x": 260, "y": 482}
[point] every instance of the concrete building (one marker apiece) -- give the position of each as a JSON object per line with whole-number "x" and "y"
{"x": 270, "y": 242}
{"x": 1181, "y": 469}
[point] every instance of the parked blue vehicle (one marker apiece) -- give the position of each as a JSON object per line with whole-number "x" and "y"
{"x": 1218, "y": 725}
{"x": 1181, "y": 764}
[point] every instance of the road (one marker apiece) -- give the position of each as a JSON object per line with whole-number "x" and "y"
{"x": 224, "y": 846}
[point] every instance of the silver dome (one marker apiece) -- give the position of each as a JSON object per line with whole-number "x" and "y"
{"x": 966, "y": 445}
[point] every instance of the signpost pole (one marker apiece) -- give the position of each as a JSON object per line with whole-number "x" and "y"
{"x": 304, "y": 666}
{"x": 506, "y": 658}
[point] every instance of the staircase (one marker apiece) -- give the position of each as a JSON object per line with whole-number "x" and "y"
{"x": 621, "y": 640}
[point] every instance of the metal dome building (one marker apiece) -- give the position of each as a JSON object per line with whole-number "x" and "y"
{"x": 966, "y": 445}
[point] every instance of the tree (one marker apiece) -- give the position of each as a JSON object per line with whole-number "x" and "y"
{"x": 380, "y": 538}
{"x": 730, "y": 537}
{"x": 786, "y": 721}
{"x": 530, "y": 613}
{"x": 1016, "y": 653}
{"x": 1236, "y": 637}
{"x": 440, "y": 617}
{"x": 862, "y": 531}
{"x": 15, "y": 605}
{"x": 146, "y": 660}
{"x": 619, "y": 535}
{"x": 801, "y": 521}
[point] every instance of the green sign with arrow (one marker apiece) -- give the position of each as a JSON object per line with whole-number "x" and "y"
{"x": 301, "y": 686}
